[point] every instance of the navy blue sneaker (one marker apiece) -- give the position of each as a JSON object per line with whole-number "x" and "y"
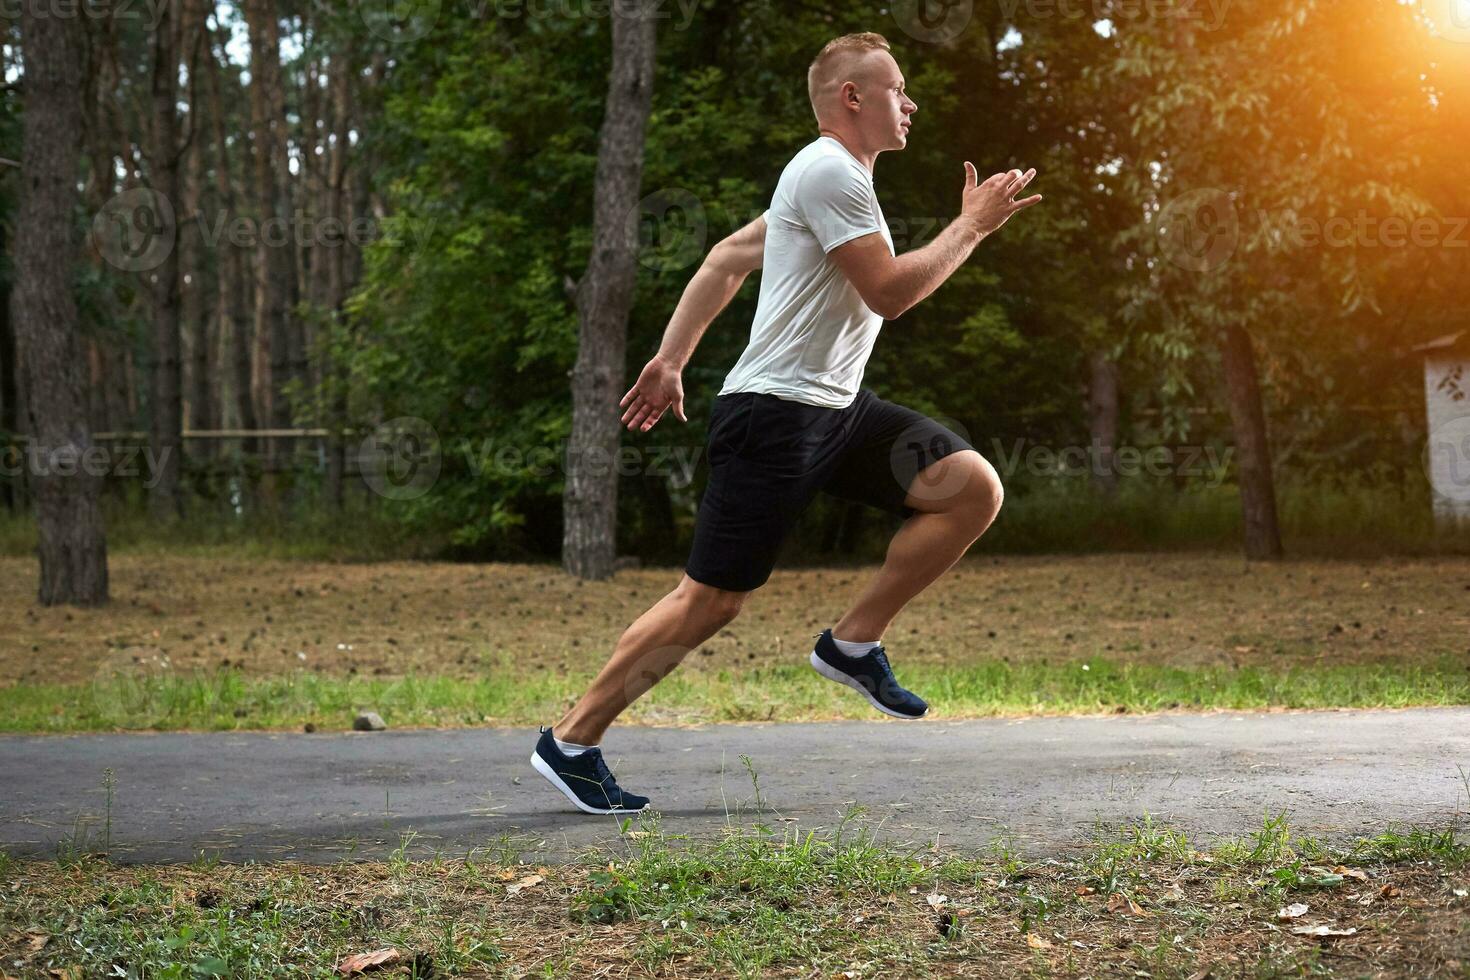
{"x": 869, "y": 674}
{"x": 584, "y": 778}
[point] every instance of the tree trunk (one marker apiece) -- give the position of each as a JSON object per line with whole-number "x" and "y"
{"x": 195, "y": 309}
{"x": 334, "y": 378}
{"x": 1253, "y": 450}
{"x": 9, "y": 394}
{"x": 234, "y": 308}
{"x": 1102, "y": 413}
{"x": 166, "y": 410}
{"x": 193, "y": 267}
{"x": 273, "y": 256}
{"x": 604, "y": 297}
{"x": 73, "y": 546}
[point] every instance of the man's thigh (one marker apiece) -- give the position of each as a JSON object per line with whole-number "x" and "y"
{"x": 768, "y": 459}
{"x": 889, "y": 447}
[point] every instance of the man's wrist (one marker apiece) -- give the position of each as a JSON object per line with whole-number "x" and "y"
{"x": 674, "y": 362}
{"x": 969, "y": 226}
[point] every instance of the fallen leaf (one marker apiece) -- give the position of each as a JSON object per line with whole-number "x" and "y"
{"x": 526, "y": 882}
{"x": 1324, "y": 932}
{"x": 1347, "y": 872}
{"x": 937, "y": 899}
{"x": 36, "y": 939}
{"x": 1388, "y": 891}
{"x": 1085, "y": 890}
{"x": 363, "y": 962}
{"x": 1118, "y": 902}
{"x": 1201, "y": 974}
{"x": 1293, "y": 911}
{"x": 1037, "y": 942}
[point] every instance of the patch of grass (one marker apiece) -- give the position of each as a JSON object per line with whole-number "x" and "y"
{"x": 151, "y": 696}
{"x": 755, "y": 903}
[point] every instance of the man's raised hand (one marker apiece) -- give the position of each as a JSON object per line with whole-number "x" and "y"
{"x": 659, "y": 386}
{"x": 991, "y": 204}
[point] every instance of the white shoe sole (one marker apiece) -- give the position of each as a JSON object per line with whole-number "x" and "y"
{"x": 833, "y": 674}
{"x": 539, "y": 764}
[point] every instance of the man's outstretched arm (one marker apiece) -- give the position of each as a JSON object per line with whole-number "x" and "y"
{"x": 891, "y": 285}
{"x": 659, "y": 386}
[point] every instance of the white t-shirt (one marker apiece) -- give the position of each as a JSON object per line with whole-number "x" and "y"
{"x": 813, "y": 333}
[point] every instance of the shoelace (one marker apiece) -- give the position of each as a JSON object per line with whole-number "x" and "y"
{"x": 882, "y": 656}
{"x": 599, "y": 767}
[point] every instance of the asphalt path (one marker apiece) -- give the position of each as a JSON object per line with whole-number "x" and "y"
{"x": 1043, "y": 783}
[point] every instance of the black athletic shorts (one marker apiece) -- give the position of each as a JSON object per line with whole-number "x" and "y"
{"x": 768, "y": 457}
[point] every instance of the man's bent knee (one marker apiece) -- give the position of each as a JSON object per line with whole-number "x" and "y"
{"x": 717, "y": 606}
{"x": 962, "y": 483}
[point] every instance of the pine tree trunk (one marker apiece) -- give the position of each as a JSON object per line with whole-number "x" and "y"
{"x": 234, "y": 304}
{"x": 195, "y": 310}
{"x": 1102, "y": 412}
{"x": 9, "y": 400}
{"x": 1252, "y": 448}
{"x": 196, "y": 324}
{"x": 166, "y": 411}
{"x": 273, "y": 257}
{"x": 73, "y": 546}
{"x": 334, "y": 378}
{"x": 604, "y": 298}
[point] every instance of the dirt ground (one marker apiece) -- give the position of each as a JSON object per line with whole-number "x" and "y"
{"x": 270, "y": 617}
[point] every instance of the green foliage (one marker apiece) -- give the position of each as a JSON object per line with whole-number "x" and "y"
{"x": 486, "y": 154}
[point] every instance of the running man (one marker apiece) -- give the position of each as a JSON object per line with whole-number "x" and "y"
{"x": 793, "y": 419}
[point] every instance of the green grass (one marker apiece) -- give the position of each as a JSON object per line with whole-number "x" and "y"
{"x": 754, "y": 902}
{"x": 228, "y": 699}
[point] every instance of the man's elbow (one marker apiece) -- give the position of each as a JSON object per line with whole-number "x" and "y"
{"x": 888, "y": 307}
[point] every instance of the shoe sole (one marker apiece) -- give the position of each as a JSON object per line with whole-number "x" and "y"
{"x": 833, "y": 674}
{"x": 541, "y": 766}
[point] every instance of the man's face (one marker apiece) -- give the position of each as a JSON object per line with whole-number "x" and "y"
{"x": 886, "y": 108}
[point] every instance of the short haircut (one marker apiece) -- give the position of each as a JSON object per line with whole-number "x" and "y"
{"x": 833, "y": 50}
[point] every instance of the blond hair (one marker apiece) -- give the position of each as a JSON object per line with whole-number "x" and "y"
{"x": 833, "y": 52}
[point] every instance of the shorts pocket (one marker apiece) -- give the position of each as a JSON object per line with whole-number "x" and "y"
{"x": 729, "y": 427}
{"x": 785, "y": 437}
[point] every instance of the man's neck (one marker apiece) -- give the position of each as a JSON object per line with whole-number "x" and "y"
{"x": 868, "y": 159}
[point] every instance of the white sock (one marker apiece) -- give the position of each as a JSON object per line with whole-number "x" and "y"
{"x": 854, "y": 648}
{"x": 570, "y": 749}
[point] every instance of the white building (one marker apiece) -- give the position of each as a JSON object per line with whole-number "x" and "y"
{"x": 1447, "y": 410}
